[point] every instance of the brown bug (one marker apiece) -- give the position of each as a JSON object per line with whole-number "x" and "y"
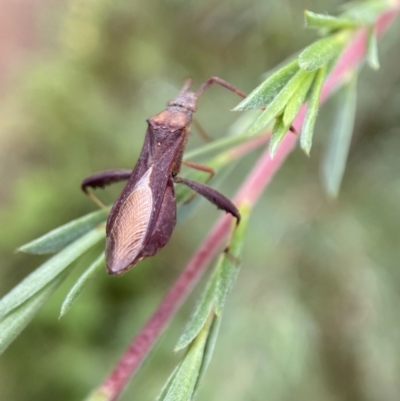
{"x": 142, "y": 219}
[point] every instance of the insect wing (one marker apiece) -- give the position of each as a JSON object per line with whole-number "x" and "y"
{"x": 164, "y": 224}
{"x": 126, "y": 236}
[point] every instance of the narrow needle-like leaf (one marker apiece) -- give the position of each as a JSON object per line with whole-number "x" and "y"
{"x": 297, "y": 99}
{"x": 312, "y": 111}
{"x": 208, "y": 350}
{"x": 43, "y": 275}
{"x": 278, "y": 133}
{"x": 372, "y": 50}
{"x": 60, "y": 237}
{"x": 278, "y": 104}
{"x": 167, "y": 385}
{"x": 230, "y": 264}
{"x": 328, "y": 22}
{"x": 12, "y": 325}
{"x": 200, "y": 314}
{"x": 266, "y": 92}
{"x": 98, "y": 395}
{"x": 80, "y": 284}
{"x": 366, "y": 11}
{"x": 339, "y": 146}
{"x": 185, "y": 379}
{"x": 321, "y": 52}
{"x": 218, "y": 285}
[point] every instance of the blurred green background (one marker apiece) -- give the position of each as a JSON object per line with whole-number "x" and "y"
{"x": 315, "y": 312}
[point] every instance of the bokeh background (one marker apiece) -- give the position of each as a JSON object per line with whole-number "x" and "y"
{"x": 315, "y": 312}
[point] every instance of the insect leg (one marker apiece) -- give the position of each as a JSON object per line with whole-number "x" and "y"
{"x": 201, "y": 131}
{"x": 200, "y": 167}
{"x": 101, "y": 180}
{"x": 215, "y": 197}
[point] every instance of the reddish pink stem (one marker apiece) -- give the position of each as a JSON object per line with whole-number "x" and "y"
{"x": 250, "y": 192}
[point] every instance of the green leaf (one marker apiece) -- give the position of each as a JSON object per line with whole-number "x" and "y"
{"x": 318, "y": 21}
{"x": 203, "y": 326}
{"x": 297, "y": 99}
{"x": 218, "y": 285}
{"x": 278, "y": 104}
{"x": 339, "y": 146}
{"x": 321, "y": 52}
{"x": 208, "y": 350}
{"x": 372, "y": 49}
{"x": 185, "y": 378}
{"x": 278, "y": 133}
{"x": 168, "y": 384}
{"x": 12, "y": 325}
{"x": 312, "y": 111}
{"x": 98, "y": 395}
{"x": 49, "y": 270}
{"x": 366, "y": 11}
{"x": 230, "y": 263}
{"x": 200, "y": 314}
{"x": 267, "y": 91}
{"x": 81, "y": 283}
{"x": 57, "y": 239}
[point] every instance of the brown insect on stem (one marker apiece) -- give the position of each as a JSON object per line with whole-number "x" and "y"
{"x": 143, "y": 217}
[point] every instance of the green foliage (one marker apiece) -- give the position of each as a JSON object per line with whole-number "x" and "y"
{"x": 279, "y": 103}
{"x": 44, "y": 274}
{"x": 85, "y": 279}
{"x": 269, "y": 89}
{"x": 19, "y": 306}
{"x": 204, "y": 308}
{"x": 321, "y": 52}
{"x": 338, "y": 149}
{"x": 295, "y": 102}
{"x": 181, "y": 385}
{"x": 278, "y": 133}
{"x": 365, "y": 11}
{"x": 287, "y": 89}
{"x": 201, "y": 331}
{"x": 328, "y": 23}
{"x": 98, "y": 396}
{"x": 208, "y": 350}
{"x": 71, "y": 241}
{"x": 57, "y": 239}
{"x": 372, "y": 49}
{"x": 312, "y": 111}
{"x": 18, "y": 317}
{"x": 77, "y": 107}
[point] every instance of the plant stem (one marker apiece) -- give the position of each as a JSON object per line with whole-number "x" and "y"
{"x": 251, "y": 190}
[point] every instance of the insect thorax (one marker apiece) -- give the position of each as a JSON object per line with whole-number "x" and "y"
{"x": 171, "y": 119}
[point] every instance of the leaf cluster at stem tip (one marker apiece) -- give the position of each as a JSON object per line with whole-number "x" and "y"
{"x": 300, "y": 82}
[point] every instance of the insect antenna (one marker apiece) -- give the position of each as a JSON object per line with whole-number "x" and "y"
{"x": 186, "y": 86}
{"x": 219, "y": 81}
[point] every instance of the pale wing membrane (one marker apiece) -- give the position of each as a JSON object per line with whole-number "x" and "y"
{"x": 130, "y": 227}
